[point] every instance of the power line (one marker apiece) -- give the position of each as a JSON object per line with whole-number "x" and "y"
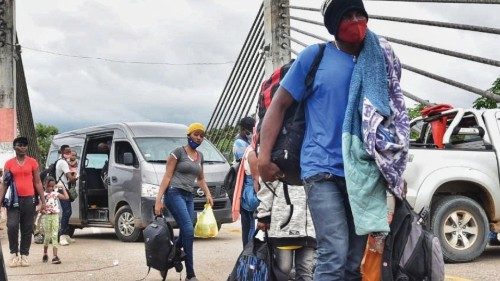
{"x": 123, "y": 61}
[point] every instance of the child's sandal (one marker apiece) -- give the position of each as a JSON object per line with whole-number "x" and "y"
{"x": 45, "y": 258}
{"x": 56, "y": 260}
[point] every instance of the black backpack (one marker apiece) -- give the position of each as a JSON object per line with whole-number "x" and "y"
{"x": 231, "y": 175}
{"x": 286, "y": 150}
{"x": 50, "y": 171}
{"x": 411, "y": 252}
{"x": 230, "y": 180}
{"x": 161, "y": 253}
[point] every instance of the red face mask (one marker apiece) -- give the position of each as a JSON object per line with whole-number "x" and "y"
{"x": 352, "y": 31}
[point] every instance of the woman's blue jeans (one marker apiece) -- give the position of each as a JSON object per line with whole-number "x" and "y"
{"x": 340, "y": 250}
{"x": 181, "y": 205}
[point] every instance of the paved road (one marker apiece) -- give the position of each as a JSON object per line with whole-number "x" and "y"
{"x": 96, "y": 251}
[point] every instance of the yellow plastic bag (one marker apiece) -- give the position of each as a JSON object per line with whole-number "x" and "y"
{"x": 206, "y": 226}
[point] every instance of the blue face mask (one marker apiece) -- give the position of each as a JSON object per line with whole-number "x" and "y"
{"x": 192, "y": 143}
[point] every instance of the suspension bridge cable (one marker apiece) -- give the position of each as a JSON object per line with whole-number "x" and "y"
{"x": 444, "y": 1}
{"x": 467, "y": 27}
{"x": 234, "y": 91}
{"x": 224, "y": 94}
{"x": 286, "y": 47}
{"x": 302, "y": 19}
{"x": 448, "y": 81}
{"x": 250, "y": 91}
{"x": 415, "y": 98}
{"x": 123, "y": 61}
{"x": 245, "y": 91}
{"x": 256, "y": 97}
{"x": 293, "y": 7}
{"x": 285, "y": 26}
{"x": 239, "y": 66}
{"x": 227, "y": 119}
{"x": 420, "y": 46}
{"x": 444, "y": 51}
{"x": 459, "y": 26}
{"x": 284, "y": 35}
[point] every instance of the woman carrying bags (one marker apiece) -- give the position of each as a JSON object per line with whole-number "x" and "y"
{"x": 184, "y": 172}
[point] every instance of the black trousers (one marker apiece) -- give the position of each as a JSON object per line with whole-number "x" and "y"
{"x": 21, "y": 218}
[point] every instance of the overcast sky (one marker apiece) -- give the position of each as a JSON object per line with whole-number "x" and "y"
{"x": 72, "y": 93}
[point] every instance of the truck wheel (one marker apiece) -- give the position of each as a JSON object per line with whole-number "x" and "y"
{"x": 125, "y": 227}
{"x": 462, "y": 228}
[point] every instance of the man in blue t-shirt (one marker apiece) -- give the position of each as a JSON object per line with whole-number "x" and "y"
{"x": 240, "y": 145}
{"x": 244, "y": 137}
{"x": 340, "y": 249}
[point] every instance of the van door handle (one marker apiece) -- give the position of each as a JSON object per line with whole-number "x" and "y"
{"x": 114, "y": 179}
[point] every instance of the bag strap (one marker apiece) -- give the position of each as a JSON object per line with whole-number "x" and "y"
{"x": 309, "y": 81}
{"x": 311, "y": 75}
{"x": 62, "y": 174}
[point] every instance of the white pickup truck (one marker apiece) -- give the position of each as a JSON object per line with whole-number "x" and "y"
{"x": 460, "y": 182}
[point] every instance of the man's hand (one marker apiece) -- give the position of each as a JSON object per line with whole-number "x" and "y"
{"x": 263, "y": 226}
{"x": 269, "y": 171}
{"x": 42, "y": 205}
{"x": 159, "y": 208}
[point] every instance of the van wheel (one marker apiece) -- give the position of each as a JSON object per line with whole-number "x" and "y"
{"x": 462, "y": 228}
{"x": 125, "y": 227}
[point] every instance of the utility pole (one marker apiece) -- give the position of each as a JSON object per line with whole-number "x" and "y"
{"x": 274, "y": 53}
{"x": 7, "y": 80}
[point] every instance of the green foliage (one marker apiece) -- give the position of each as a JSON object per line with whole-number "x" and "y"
{"x": 414, "y": 112}
{"x": 483, "y": 102}
{"x": 223, "y": 139}
{"x": 44, "y": 135}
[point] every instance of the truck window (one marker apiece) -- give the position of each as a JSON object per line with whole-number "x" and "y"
{"x": 120, "y": 148}
{"x": 416, "y": 131}
{"x": 467, "y": 141}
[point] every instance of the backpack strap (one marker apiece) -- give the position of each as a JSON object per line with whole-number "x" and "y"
{"x": 289, "y": 203}
{"x": 311, "y": 75}
{"x": 59, "y": 179}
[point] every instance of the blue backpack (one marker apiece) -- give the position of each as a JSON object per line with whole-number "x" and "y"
{"x": 256, "y": 263}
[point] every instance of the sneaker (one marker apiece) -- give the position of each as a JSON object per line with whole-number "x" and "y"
{"x": 63, "y": 241}
{"x": 45, "y": 258}
{"x": 14, "y": 260}
{"x": 192, "y": 279}
{"x": 24, "y": 261}
{"x": 56, "y": 260}
{"x": 70, "y": 240}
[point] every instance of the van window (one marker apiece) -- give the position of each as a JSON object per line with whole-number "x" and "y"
{"x": 96, "y": 161}
{"x": 51, "y": 158}
{"x": 157, "y": 149}
{"x": 120, "y": 148}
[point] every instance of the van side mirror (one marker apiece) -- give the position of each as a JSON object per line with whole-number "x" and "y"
{"x": 128, "y": 159}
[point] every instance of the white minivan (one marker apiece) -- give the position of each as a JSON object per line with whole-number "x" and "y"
{"x": 124, "y": 199}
